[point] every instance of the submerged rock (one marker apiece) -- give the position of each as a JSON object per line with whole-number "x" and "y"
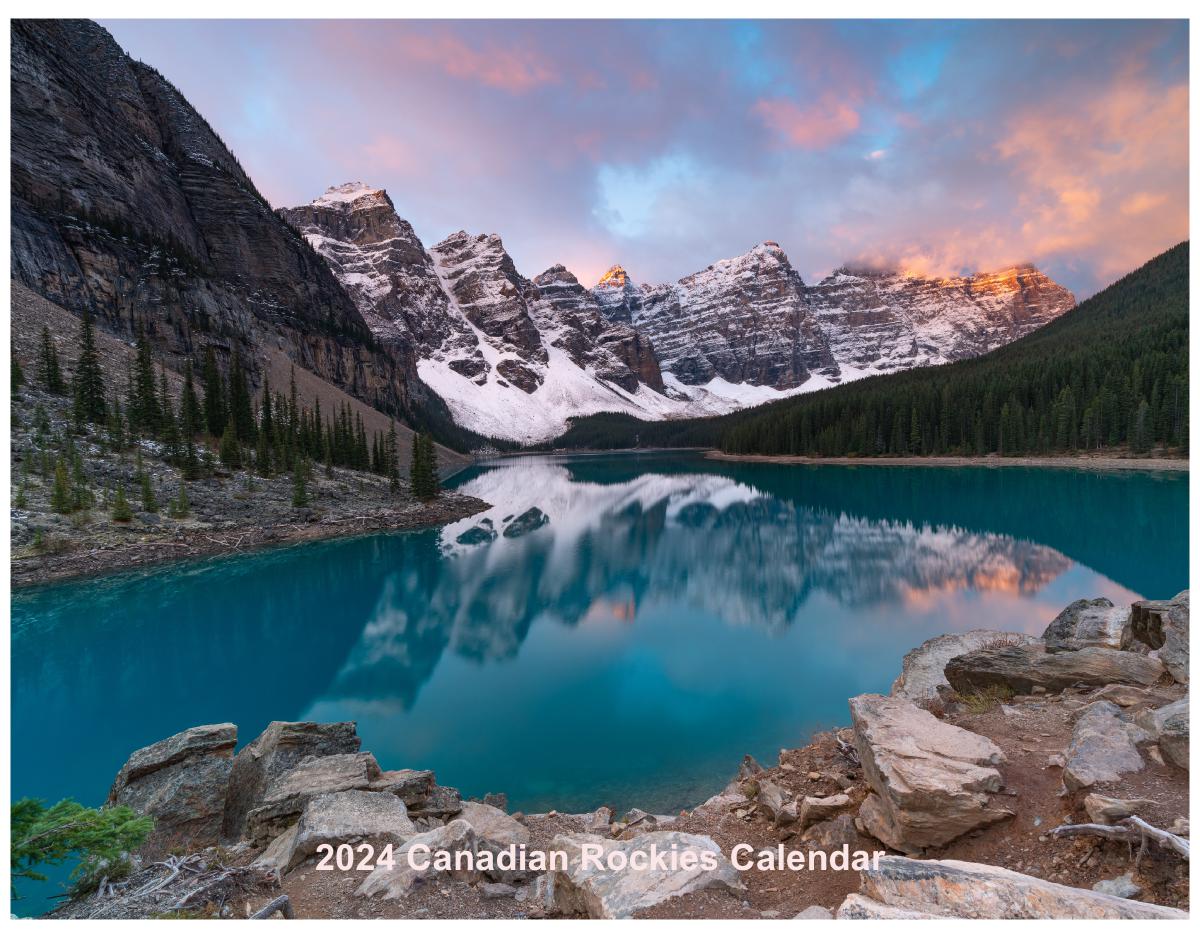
{"x": 923, "y": 669}
{"x": 1023, "y": 668}
{"x": 181, "y": 782}
{"x": 1088, "y": 623}
{"x": 931, "y": 779}
{"x": 609, "y": 892}
{"x": 1103, "y": 746}
{"x": 278, "y": 748}
{"x": 954, "y": 889}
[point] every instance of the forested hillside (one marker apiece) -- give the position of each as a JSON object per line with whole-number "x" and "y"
{"x": 1113, "y": 373}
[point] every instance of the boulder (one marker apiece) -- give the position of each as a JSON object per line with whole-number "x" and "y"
{"x": 857, "y": 908}
{"x": 278, "y": 855}
{"x": 496, "y": 831}
{"x": 1022, "y": 668}
{"x": 1121, "y": 886}
{"x": 931, "y": 779}
{"x": 398, "y": 880}
{"x": 350, "y": 817}
{"x": 412, "y": 786}
{"x": 1173, "y": 741}
{"x": 286, "y": 797}
{"x": 1102, "y": 810}
{"x": 1088, "y": 623}
{"x": 278, "y": 748}
{"x": 832, "y": 834}
{"x": 1164, "y": 625}
{"x": 441, "y": 803}
{"x": 1103, "y": 746}
{"x": 923, "y": 669}
{"x": 181, "y": 782}
{"x": 604, "y": 891}
{"x": 1170, "y": 727}
{"x": 815, "y": 913}
{"x": 954, "y": 889}
{"x": 778, "y": 804}
{"x": 814, "y": 810}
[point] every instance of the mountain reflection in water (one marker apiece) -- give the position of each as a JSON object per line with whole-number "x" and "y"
{"x": 614, "y": 630}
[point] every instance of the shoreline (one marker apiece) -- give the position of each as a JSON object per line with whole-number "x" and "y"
{"x": 197, "y": 543}
{"x": 1078, "y": 462}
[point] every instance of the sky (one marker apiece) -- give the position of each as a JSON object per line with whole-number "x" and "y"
{"x": 932, "y": 147}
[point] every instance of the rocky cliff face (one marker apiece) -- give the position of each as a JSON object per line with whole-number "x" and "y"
{"x": 125, "y": 202}
{"x": 885, "y": 321}
{"x": 512, "y": 357}
{"x": 751, "y": 320}
{"x": 743, "y": 319}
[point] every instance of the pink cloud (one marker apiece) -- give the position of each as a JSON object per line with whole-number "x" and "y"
{"x": 814, "y": 127}
{"x": 509, "y": 68}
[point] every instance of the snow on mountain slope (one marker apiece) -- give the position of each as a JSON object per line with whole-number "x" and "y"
{"x": 752, "y": 321}
{"x": 516, "y": 358}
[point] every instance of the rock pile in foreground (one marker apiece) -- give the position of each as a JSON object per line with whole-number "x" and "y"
{"x": 909, "y": 780}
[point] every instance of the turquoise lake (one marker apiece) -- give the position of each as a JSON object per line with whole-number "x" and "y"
{"x": 671, "y": 614}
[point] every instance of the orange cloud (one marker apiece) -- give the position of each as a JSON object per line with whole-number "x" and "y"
{"x": 511, "y": 69}
{"x": 814, "y": 127}
{"x": 1142, "y": 202}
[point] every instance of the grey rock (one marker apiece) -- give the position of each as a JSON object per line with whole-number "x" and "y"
{"x": 1121, "y": 887}
{"x": 496, "y": 831}
{"x": 621, "y": 893}
{"x": 1022, "y": 668}
{"x": 412, "y": 786}
{"x": 856, "y": 907}
{"x": 289, "y": 793}
{"x": 832, "y": 834}
{"x": 1174, "y": 741}
{"x": 181, "y": 782}
{"x": 401, "y": 878}
{"x": 1164, "y": 625}
{"x": 1088, "y": 623}
{"x": 1103, "y": 746}
{"x": 815, "y": 913}
{"x": 815, "y": 809}
{"x": 923, "y": 669}
{"x": 492, "y": 890}
{"x": 278, "y": 748}
{"x": 779, "y": 805}
{"x": 931, "y": 779}
{"x": 351, "y": 817}
{"x": 1104, "y": 810}
{"x": 954, "y": 889}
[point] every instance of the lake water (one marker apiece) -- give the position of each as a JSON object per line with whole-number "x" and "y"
{"x": 661, "y": 616}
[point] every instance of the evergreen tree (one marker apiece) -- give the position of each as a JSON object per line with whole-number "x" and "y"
{"x": 262, "y": 455}
{"x": 180, "y": 507}
{"x": 18, "y": 375}
{"x": 121, "y": 511}
{"x": 89, "y": 379}
{"x": 393, "y": 459}
{"x": 266, "y": 423}
{"x": 241, "y": 409}
{"x": 215, "y": 413}
{"x": 144, "y": 412}
{"x": 149, "y": 500}
{"x": 231, "y": 453}
{"x": 191, "y": 417}
{"x": 300, "y": 484}
{"x": 423, "y": 471}
{"x": 60, "y": 494}
{"x": 49, "y": 372}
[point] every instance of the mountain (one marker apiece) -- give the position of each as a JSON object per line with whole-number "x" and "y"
{"x": 517, "y": 358}
{"x": 881, "y": 322}
{"x": 1110, "y": 373}
{"x": 752, "y": 320}
{"x": 126, "y": 203}
{"x": 512, "y": 357}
